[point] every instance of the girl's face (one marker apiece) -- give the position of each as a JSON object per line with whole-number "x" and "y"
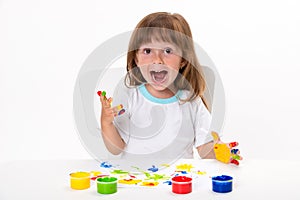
{"x": 159, "y": 63}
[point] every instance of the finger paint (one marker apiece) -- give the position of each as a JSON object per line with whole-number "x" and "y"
{"x": 233, "y": 161}
{"x": 233, "y": 144}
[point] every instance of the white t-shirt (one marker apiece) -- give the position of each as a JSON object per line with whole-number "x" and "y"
{"x": 160, "y": 127}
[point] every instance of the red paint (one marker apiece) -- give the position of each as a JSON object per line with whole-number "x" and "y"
{"x": 132, "y": 176}
{"x": 181, "y": 184}
{"x": 233, "y": 144}
{"x": 95, "y": 177}
{"x": 235, "y": 162}
{"x": 99, "y": 93}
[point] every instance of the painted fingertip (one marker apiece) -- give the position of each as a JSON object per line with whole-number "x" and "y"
{"x": 119, "y": 107}
{"x": 236, "y": 157}
{"x": 103, "y": 93}
{"x": 234, "y": 151}
{"x": 234, "y": 162}
{"x": 99, "y": 93}
{"x": 233, "y": 144}
{"x": 121, "y": 112}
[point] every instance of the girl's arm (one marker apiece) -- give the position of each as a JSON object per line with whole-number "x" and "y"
{"x": 111, "y": 137}
{"x": 206, "y": 151}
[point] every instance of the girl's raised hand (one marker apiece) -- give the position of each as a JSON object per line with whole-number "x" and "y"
{"x": 225, "y": 152}
{"x": 108, "y": 112}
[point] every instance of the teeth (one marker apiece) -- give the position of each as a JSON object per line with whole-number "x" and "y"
{"x": 157, "y": 71}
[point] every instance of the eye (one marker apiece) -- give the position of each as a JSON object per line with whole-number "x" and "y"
{"x": 168, "y": 51}
{"x": 147, "y": 51}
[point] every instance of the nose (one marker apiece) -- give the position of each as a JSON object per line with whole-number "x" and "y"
{"x": 157, "y": 57}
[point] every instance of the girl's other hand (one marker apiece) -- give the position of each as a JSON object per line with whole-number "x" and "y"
{"x": 108, "y": 112}
{"x": 225, "y": 152}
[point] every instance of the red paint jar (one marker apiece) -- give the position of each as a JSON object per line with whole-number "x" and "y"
{"x": 181, "y": 184}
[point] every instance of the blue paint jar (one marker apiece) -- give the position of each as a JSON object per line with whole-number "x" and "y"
{"x": 222, "y": 184}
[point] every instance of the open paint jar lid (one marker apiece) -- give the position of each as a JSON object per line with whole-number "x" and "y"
{"x": 181, "y": 184}
{"x": 222, "y": 184}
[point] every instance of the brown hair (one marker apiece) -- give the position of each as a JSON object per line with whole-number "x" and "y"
{"x": 173, "y": 28}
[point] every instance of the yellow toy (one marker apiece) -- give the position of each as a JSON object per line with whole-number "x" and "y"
{"x": 224, "y": 152}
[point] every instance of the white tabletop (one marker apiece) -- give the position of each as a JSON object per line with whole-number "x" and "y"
{"x": 49, "y": 179}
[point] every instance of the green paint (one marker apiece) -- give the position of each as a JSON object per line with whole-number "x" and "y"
{"x": 107, "y": 185}
{"x": 119, "y": 171}
{"x": 157, "y": 177}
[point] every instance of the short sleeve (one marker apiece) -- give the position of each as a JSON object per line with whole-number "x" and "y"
{"x": 122, "y": 95}
{"x": 202, "y": 124}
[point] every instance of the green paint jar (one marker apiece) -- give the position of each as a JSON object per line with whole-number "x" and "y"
{"x": 106, "y": 185}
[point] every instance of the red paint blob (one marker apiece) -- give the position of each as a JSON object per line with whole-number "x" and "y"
{"x": 233, "y": 144}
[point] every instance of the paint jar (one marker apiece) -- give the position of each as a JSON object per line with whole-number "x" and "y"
{"x": 80, "y": 180}
{"x": 106, "y": 185}
{"x": 222, "y": 184}
{"x": 181, "y": 184}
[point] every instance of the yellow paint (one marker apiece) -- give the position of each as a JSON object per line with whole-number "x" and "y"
{"x": 95, "y": 173}
{"x": 149, "y": 183}
{"x": 80, "y": 180}
{"x": 129, "y": 181}
{"x": 201, "y": 173}
{"x": 222, "y": 152}
{"x": 184, "y": 167}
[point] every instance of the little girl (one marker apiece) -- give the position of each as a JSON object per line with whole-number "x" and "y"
{"x": 166, "y": 114}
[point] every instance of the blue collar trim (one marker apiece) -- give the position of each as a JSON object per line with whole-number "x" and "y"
{"x": 142, "y": 88}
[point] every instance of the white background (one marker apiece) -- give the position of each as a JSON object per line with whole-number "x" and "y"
{"x": 255, "y": 46}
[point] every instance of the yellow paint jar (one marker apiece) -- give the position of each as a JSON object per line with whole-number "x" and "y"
{"x": 80, "y": 180}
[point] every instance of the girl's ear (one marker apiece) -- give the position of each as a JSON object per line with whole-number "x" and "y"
{"x": 183, "y": 63}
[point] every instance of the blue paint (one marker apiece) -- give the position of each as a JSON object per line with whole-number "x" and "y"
{"x": 105, "y": 165}
{"x": 153, "y": 169}
{"x": 168, "y": 182}
{"x": 234, "y": 151}
{"x": 222, "y": 184}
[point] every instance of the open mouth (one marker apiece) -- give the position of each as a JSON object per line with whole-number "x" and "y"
{"x": 159, "y": 76}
